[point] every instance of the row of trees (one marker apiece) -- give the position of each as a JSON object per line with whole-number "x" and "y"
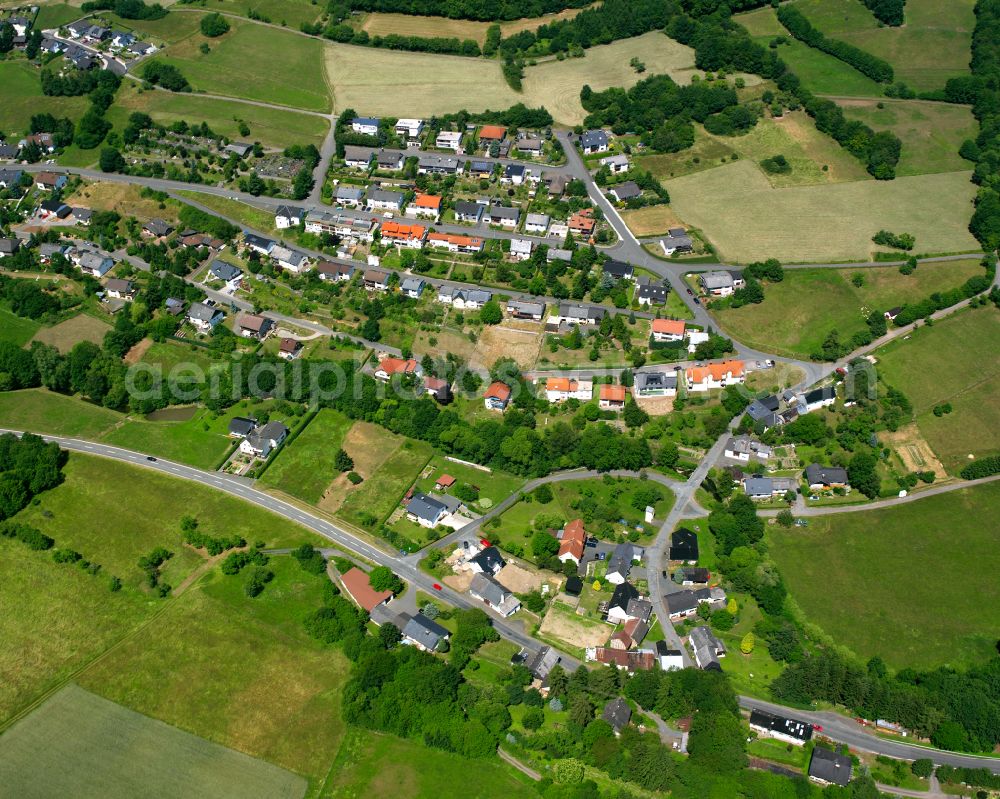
{"x": 469, "y": 9}
{"x": 394, "y": 41}
{"x": 795, "y": 22}
{"x": 127, "y": 9}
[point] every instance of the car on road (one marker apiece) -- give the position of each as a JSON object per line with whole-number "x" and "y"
{"x": 151, "y": 458}
{"x": 696, "y": 301}
{"x": 818, "y": 727}
{"x": 690, "y": 293}
{"x": 437, "y": 587}
{"x": 484, "y": 542}
{"x": 602, "y": 555}
{"x": 591, "y": 542}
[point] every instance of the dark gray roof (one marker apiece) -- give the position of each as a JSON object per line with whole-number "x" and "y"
{"x": 569, "y": 311}
{"x": 830, "y": 766}
{"x": 381, "y": 195}
{"x": 683, "y": 601}
{"x": 224, "y": 271}
{"x": 352, "y": 153}
{"x": 621, "y": 559}
{"x": 593, "y": 138}
{"x": 424, "y": 631}
{"x": 758, "y": 486}
{"x": 290, "y": 211}
{"x": 622, "y": 595}
{"x": 513, "y": 170}
{"x": 654, "y": 381}
{"x": 489, "y": 560}
{"x": 541, "y": 662}
{"x": 827, "y": 475}
{"x": 653, "y": 292}
{"x": 617, "y": 268}
{"x": 617, "y": 713}
{"x": 425, "y": 507}
{"x": 487, "y": 588}
{"x": 241, "y": 425}
{"x": 202, "y": 312}
{"x": 253, "y": 240}
{"x": 757, "y": 411}
{"x": 707, "y": 648}
{"x": 782, "y": 724}
{"x": 626, "y": 190}
{"x": 820, "y": 394}
{"x": 465, "y": 208}
{"x": 502, "y": 212}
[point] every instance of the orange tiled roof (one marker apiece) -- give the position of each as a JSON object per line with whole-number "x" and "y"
{"x": 573, "y": 540}
{"x": 460, "y": 241}
{"x": 427, "y": 201}
{"x": 393, "y": 366}
{"x": 399, "y": 230}
{"x": 613, "y": 393}
{"x": 715, "y": 371}
{"x": 673, "y": 327}
{"x": 498, "y": 390}
{"x": 491, "y": 132}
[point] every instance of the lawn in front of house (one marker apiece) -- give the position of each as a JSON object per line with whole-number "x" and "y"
{"x": 915, "y": 584}
{"x": 494, "y": 486}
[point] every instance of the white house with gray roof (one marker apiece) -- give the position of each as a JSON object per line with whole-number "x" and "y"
{"x": 487, "y": 589}
{"x": 383, "y": 200}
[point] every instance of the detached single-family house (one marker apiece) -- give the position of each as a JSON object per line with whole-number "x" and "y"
{"x": 485, "y": 588}
{"x": 425, "y": 205}
{"x": 292, "y": 260}
{"x": 468, "y": 212}
{"x": 241, "y": 426}
{"x": 157, "y": 228}
{"x": 655, "y": 384}
{"x": 410, "y": 236}
{"x": 257, "y": 243}
{"x": 491, "y": 134}
{"x": 825, "y": 478}
{"x": 684, "y": 545}
{"x": 487, "y": 561}
{"x": 464, "y": 299}
{"x": 536, "y": 223}
{"x": 681, "y": 604}
{"x": 455, "y": 243}
{"x": 326, "y": 270}
{"x": 781, "y": 728}
{"x": 707, "y": 648}
{"x": 668, "y": 330}
{"x": 253, "y": 326}
{"x": 348, "y": 196}
{"x": 616, "y": 164}
{"x": 289, "y": 348}
{"x": 594, "y": 141}
{"x": 412, "y": 287}
{"x": 626, "y": 191}
{"x": 262, "y": 441}
{"x": 829, "y": 768}
{"x": 513, "y": 175}
{"x": 357, "y": 157}
{"x": 220, "y": 270}
{"x": 720, "y": 283}
{"x": 288, "y": 216}
{"x": 631, "y": 660}
{"x": 620, "y": 562}
{"x": 558, "y": 254}
{"x": 204, "y": 317}
{"x": 759, "y": 489}
{"x": 817, "y": 398}
{"x": 530, "y": 145}
{"x": 57, "y": 209}
{"x": 449, "y": 140}
{"x": 376, "y": 280}
{"x": 390, "y": 160}
{"x": 693, "y": 575}
{"x": 45, "y": 142}
{"x": 670, "y": 659}
{"x": 358, "y": 587}
{"x": 503, "y": 216}
{"x": 497, "y": 396}
{"x": 119, "y": 289}
{"x": 715, "y": 375}
{"x": 9, "y": 177}
{"x": 92, "y": 263}
{"x": 626, "y": 604}
{"x": 619, "y": 270}
{"x": 580, "y": 314}
{"x": 383, "y": 200}
{"x": 521, "y": 309}
{"x": 573, "y": 542}
{"x": 425, "y": 510}
{"x": 612, "y": 397}
{"x": 421, "y": 632}
{"x": 9, "y": 247}
{"x": 677, "y": 241}
{"x": 367, "y": 126}
{"x": 409, "y": 128}
{"x": 559, "y": 389}
{"x": 582, "y": 223}
{"x": 649, "y": 293}
{"x": 617, "y": 713}
{"x": 433, "y": 164}
{"x": 48, "y": 181}
{"x": 390, "y": 366}
{"x": 555, "y": 183}
{"x": 438, "y": 388}
{"x": 520, "y": 249}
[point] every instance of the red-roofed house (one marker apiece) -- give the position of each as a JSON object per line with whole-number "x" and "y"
{"x": 715, "y": 375}
{"x": 573, "y": 540}
{"x": 492, "y": 134}
{"x": 612, "y": 396}
{"x": 403, "y": 234}
{"x": 444, "y": 481}
{"x": 356, "y": 584}
{"x": 631, "y": 660}
{"x": 395, "y": 366}
{"x": 668, "y": 330}
{"x": 497, "y": 396}
{"x": 453, "y": 243}
{"x": 426, "y": 205}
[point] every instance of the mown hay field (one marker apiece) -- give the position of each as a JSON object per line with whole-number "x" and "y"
{"x": 385, "y": 24}
{"x": 747, "y": 219}
{"x": 78, "y": 744}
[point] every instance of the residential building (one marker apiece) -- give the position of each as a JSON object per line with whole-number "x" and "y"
{"x": 367, "y": 126}
{"x": 411, "y": 236}
{"x": 412, "y": 287}
{"x": 616, "y": 164}
{"x": 468, "y": 212}
{"x": 781, "y": 728}
{"x": 677, "y": 242}
{"x": 715, "y": 375}
{"x": 559, "y": 389}
{"x": 572, "y": 542}
{"x": 449, "y": 140}
{"x": 220, "y": 270}
{"x": 626, "y": 191}
{"x": 289, "y": 349}
{"x": 612, "y": 397}
{"x": 580, "y": 314}
{"x": 92, "y": 263}
{"x": 421, "y": 632}
{"x": 425, "y": 205}
{"x": 288, "y": 216}
{"x": 425, "y": 510}
{"x": 630, "y": 660}
{"x": 390, "y": 366}
{"x": 253, "y": 326}
{"x": 617, "y": 713}
{"x": 707, "y": 648}
{"x": 119, "y": 289}
{"x": 513, "y": 175}
{"x": 383, "y": 200}
{"x": 541, "y": 662}
{"x": 669, "y": 659}
{"x": 631, "y": 634}
{"x": 693, "y": 575}
{"x": 262, "y": 441}
{"x": 479, "y": 168}
{"x": 497, "y": 396}
{"x": 684, "y": 545}
{"x": 829, "y": 768}
{"x": 582, "y": 223}
{"x": 531, "y": 145}
{"x": 626, "y": 604}
{"x": 558, "y": 254}
{"x": 668, "y": 330}
{"x": 409, "y": 128}
{"x": 651, "y": 293}
{"x": 619, "y": 270}
{"x": 681, "y": 604}
{"x": 759, "y": 489}
{"x": 376, "y": 280}
{"x": 439, "y": 389}
{"x": 9, "y": 247}
{"x": 485, "y": 588}
{"x": 258, "y": 243}
{"x": 356, "y": 584}
{"x": 817, "y": 398}
{"x": 520, "y": 249}
{"x": 9, "y": 177}
{"x": 357, "y": 157}
{"x": 655, "y": 384}
{"x": 240, "y": 148}
{"x": 594, "y": 141}
{"x": 157, "y": 228}
{"x": 204, "y": 317}
{"x": 491, "y": 134}
{"x": 455, "y": 243}
{"x": 503, "y": 216}
{"x": 348, "y": 196}
{"x": 487, "y": 561}
{"x": 390, "y": 160}
{"x": 49, "y": 181}
{"x": 521, "y": 309}
{"x": 292, "y": 260}
{"x": 45, "y": 141}
{"x": 326, "y": 270}
{"x": 620, "y": 562}
{"x": 434, "y": 164}
{"x": 536, "y": 223}
{"x": 48, "y": 209}
{"x": 241, "y": 426}
{"x": 462, "y": 298}
{"x": 720, "y": 283}
{"x": 555, "y": 183}
{"x": 825, "y": 478}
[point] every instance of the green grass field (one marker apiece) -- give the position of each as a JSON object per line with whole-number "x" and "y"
{"x": 22, "y": 98}
{"x": 56, "y": 15}
{"x": 66, "y": 334}
{"x": 78, "y": 744}
{"x": 915, "y": 584}
{"x": 253, "y": 62}
{"x": 16, "y": 329}
{"x": 797, "y": 313}
{"x": 269, "y": 126}
{"x": 746, "y": 218}
{"x": 931, "y": 47}
{"x": 381, "y": 492}
{"x": 494, "y": 487}
{"x": 931, "y": 133}
{"x": 305, "y": 467}
{"x": 167, "y": 30}
{"x": 41, "y": 411}
{"x": 370, "y": 764}
{"x": 291, "y": 13}
{"x": 938, "y": 365}
{"x": 246, "y": 214}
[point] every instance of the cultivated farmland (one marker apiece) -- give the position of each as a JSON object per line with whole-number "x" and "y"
{"x": 936, "y": 366}
{"x": 797, "y": 313}
{"x": 78, "y": 744}
{"x": 746, "y": 218}
{"x": 915, "y": 584}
